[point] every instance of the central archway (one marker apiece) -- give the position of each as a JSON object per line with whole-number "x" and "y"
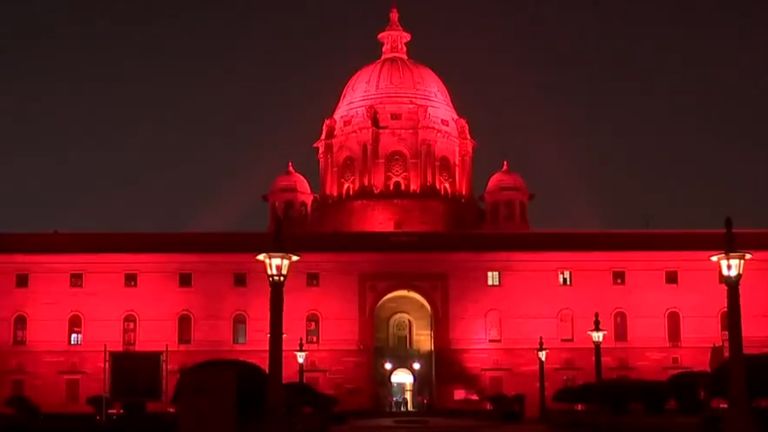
{"x": 403, "y": 340}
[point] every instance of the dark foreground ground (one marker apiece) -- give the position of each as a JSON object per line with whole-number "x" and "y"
{"x": 567, "y": 421}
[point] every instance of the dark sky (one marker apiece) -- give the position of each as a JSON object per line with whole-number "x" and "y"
{"x": 134, "y": 115}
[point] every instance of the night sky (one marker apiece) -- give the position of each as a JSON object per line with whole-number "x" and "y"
{"x": 127, "y": 115}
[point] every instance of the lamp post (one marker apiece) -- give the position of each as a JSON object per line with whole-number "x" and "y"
{"x": 277, "y": 265}
{"x": 301, "y": 355}
{"x": 731, "y": 264}
{"x": 541, "y": 353}
{"x": 597, "y": 335}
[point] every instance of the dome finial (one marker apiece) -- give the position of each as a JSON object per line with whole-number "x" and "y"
{"x": 290, "y": 169}
{"x": 394, "y": 37}
{"x": 505, "y": 166}
{"x": 394, "y": 20}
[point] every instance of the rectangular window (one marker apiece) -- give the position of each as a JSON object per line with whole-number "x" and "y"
{"x": 185, "y": 280}
{"x": 676, "y": 360}
{"x": 72, "y": 390}
{"x": 494, "y": 278}
{"x": 565, "y": 277}
{"x": 76, "y": 280}
{"x": 670, "y": 277}
{"x": 240, "y": 279}
{"x": 17, "y": 387}
{"x": 313, "y": 279}
{"x": 130, "y": 280}
{"x": 22, "y": 280}
{"x": 619, "y": 277}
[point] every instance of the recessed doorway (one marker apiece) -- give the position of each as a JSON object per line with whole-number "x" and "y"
{"x": 404, "y": 351}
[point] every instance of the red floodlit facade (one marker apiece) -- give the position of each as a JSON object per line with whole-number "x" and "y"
{"x": 405, "y": 277}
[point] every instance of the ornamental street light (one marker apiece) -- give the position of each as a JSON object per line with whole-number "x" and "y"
{"x": 597, "y": 335}
{"x": 276, "y": 265}
{"x": 541, "y": 353}
{"x": 301, "y": 355}
{"x": 731, "y": 264}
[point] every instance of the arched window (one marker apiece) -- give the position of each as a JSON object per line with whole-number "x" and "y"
{"x": 130, "y": 324}
{"x": 401, "y": 332}
{"x": 620, "y": 333}
{"x": 445, "y": 172}
{"x": 184, "y": 331}
{"x": 75, "y": 330}
{"x": 239, "y": 329}
{"x": 724, "y": 325}
{"x": 20, "y": 330}
{"x": 347, "y": 176}
{"x": 565, "y": 325}
{"x": 674, "y": 328}
{"x": 396, "y": 167}
{"x": 493, "y": 325}
{"x": 312, "y": 333}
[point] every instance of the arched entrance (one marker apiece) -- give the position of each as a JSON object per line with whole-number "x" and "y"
{"x": 402, "y": 389}
{"x": 404, "y": 350}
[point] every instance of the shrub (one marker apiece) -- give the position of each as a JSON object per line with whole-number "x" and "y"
{"x": 617, "y": 395}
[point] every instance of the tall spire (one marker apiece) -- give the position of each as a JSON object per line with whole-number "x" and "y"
{"x": 394, "y": 37}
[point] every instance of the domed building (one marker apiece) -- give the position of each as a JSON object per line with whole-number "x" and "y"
{"x": 395, "y": 155}
{"x": 411, "y": 292}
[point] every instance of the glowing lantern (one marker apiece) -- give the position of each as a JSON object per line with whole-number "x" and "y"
{"x": 416, "y": 365}
{"x": 541, "y": 352}
{"x": 301, "y": 353}
{"x": 387, "y": 365}
{"x": 277, "y": 264}
{"x": 731, "y": 264}
{"x": 597, "y": 334}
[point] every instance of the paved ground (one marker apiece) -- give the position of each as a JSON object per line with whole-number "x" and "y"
{"x": 412, "y": 424}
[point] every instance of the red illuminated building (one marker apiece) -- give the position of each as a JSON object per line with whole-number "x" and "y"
{"x": 405, "y": 277}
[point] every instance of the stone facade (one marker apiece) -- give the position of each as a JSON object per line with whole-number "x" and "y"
{"x": 483, "y": 337}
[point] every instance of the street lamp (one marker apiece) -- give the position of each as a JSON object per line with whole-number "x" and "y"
{"x": 276, "y": 265}
{"x": 416, "y": 365}
{"x": 541, "y": 353}
{"x": 301, "y": 355}
{"x": 597, "y": 335}
{"x": 731, "y": 264}
{"x": 388, "y": 365}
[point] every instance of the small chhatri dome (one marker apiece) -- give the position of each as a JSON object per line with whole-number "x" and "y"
{"x": 394, "y": 78}
{"x": 291, "y": 182}
{"x": 505, "y": 180}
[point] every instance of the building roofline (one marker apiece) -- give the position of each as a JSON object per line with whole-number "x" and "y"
{"x": 252, "y": 242}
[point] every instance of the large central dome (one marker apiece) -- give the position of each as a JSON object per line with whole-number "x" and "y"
{"x": 394, "y": 78}
{"x": 396, "y": 156}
